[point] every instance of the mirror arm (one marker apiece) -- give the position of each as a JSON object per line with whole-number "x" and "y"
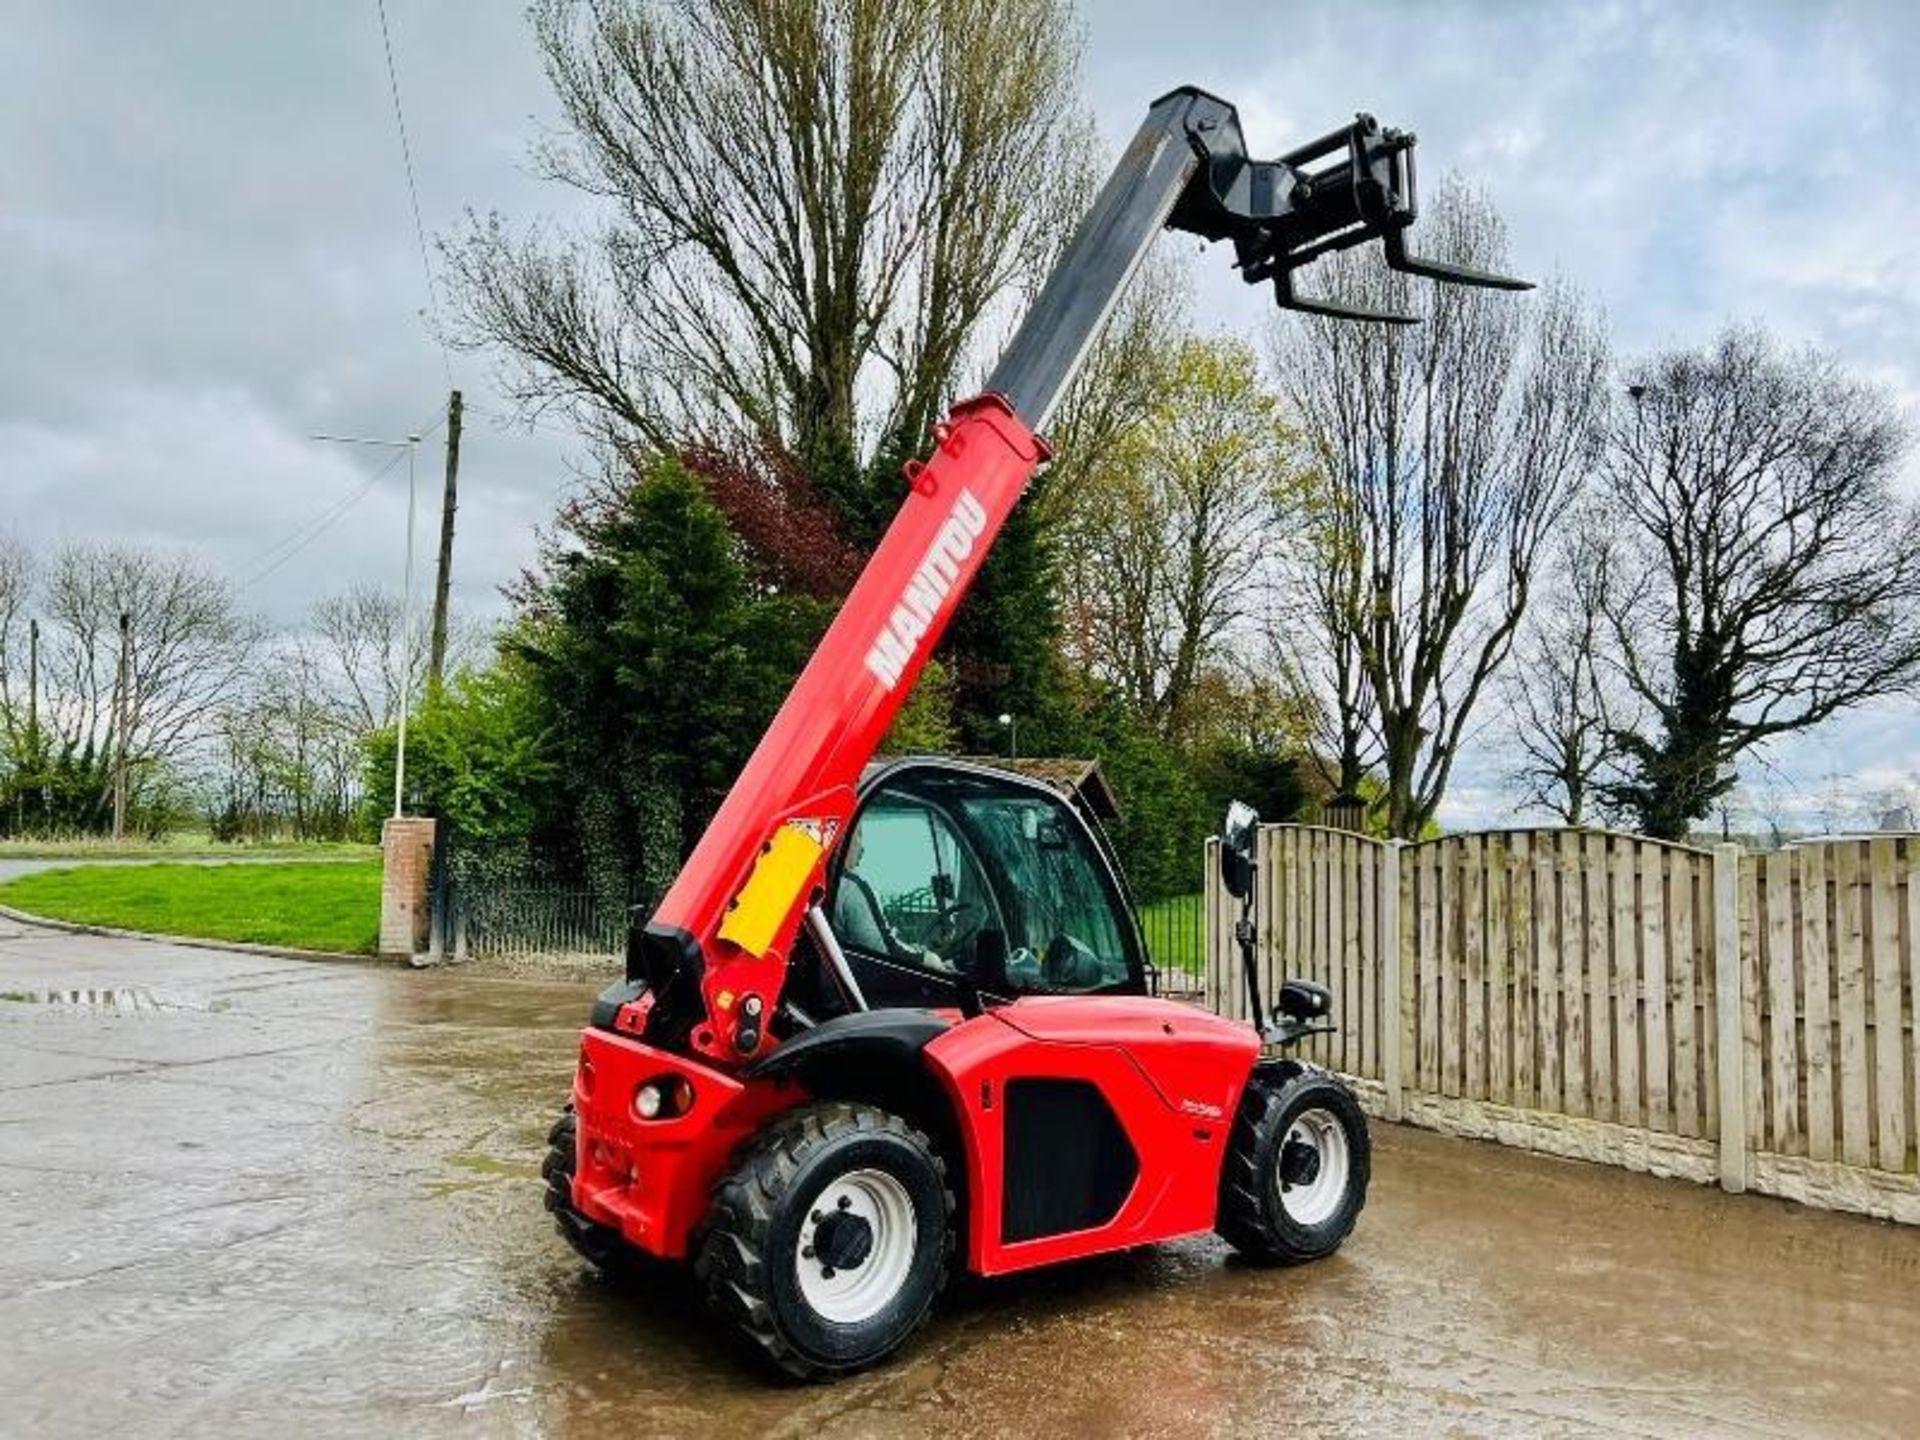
{"x": 1243, "y": 931}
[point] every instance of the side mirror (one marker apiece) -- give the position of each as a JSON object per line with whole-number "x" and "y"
{"x": 1236, "y": 849}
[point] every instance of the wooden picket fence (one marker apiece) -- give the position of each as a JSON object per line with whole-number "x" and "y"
{"x": 1712, "y": 1014}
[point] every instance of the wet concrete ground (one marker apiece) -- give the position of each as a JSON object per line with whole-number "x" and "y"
{"x": 251, "y": 1196}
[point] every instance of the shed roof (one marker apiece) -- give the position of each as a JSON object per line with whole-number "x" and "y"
{"x": 1068, "y": 775}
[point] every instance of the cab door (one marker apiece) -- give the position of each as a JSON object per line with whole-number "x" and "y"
{"x": 910, "y": 902}
{"x": 954, "y": 879}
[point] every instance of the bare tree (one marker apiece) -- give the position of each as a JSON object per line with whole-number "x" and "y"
{"x": 812, "y": 205}
{"x": 1774, "y": 577}
{"x": 364, "y": 646}
{"x": 1324, "y": 661}
{"x": 1163, "y": 538}
{"x": 189, "y": 654}
{"x": 1444, "y": 455}
{"x": 290, "y": 752}
{"x": 17, "y": 577}
{"x": 1564, "y": 695}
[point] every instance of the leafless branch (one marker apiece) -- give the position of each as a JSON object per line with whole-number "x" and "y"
{"x": 1778, "y": 573}
{"x": 1443, "y": 455}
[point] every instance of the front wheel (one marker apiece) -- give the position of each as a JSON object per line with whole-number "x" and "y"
{"x": 1297, "y": 1167}
{"x": 600, "y": 1245}
{"x": 830, "y": 1240}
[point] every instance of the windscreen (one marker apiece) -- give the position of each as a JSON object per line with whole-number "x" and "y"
{"x": 1062, "y": 932}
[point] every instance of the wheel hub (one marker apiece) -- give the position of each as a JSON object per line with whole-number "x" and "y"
{"x": 843, "y": 1240}
{"x": 1299, "y": 1163}
{"x": 1313, "y": 1167}
{"x": 857, "y": 1246}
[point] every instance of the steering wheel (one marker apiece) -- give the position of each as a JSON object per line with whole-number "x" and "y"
{"x": 946, "y": 921}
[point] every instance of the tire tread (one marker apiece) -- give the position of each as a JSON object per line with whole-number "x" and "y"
{"x": 1243, "y": 1220}
{"x": 600, "y": 1245}
{"x": 729, "y": 1259}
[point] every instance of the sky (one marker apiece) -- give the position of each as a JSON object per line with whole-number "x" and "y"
{"x": 208, "y": 252}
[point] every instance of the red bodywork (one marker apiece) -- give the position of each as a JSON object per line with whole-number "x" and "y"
{"x": 808, "y": 763}
{"x": 1173, "y": 1076}
{"x": 652, "y": 1179}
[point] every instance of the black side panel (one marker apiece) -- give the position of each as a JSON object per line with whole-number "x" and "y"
{"x": 667, "y": 960}
{"x": 1069, "y": 1164}
{"x": 872, "y": 1034}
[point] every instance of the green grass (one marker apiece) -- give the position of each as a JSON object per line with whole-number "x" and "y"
{"x": 185, "y": 845}
{"x": 1176, "y": 938}
{"x": 306, "y": 904}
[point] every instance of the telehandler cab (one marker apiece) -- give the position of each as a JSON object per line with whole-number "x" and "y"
{"x": 890, "y": 1015}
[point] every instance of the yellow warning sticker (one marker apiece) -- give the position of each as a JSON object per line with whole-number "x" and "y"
{"x": 782, "y": 871}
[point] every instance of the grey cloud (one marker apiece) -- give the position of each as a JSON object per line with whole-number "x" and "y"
{"x": 206, "y": 251}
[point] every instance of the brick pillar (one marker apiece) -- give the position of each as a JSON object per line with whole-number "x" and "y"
{"x": 406, "y": 900}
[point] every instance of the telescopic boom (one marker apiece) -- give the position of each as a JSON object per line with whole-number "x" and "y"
{"x": 714, "y": 953}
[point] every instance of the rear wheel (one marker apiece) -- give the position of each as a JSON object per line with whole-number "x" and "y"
{"x": 599, "y": 1244}
{"x": 1296, "y": 1173}
{"x": 830, "y": 1239}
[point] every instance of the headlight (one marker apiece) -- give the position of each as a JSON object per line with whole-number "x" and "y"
{"x": 664, "y": 1098}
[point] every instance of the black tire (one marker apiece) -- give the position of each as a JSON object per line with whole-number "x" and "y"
{"x": 753, "y": 1242}
{"x": 599, "y": 1244}
{"x": 1263, "y": 1172}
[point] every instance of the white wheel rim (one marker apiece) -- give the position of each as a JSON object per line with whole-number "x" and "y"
{"x": 862, "y": 1291}
{"x": 1313, "y": 1202}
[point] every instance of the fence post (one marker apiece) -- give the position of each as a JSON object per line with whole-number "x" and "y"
{"x": 1390, "y": 994}
{"x": 1730, "y": 1049}
{"x": 1209, "y": 879}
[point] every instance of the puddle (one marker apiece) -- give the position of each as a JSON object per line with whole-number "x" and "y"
{"x": 483, "y": 1172}
{"x": 493, "y": 1167}
{"x": 132, "y": 998}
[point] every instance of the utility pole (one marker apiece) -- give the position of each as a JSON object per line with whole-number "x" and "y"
{"x": 443, "y": 580}
{"x": 33, "y": 720}
{"x": 33, "y": 685}
{"x": 120, "y": 730}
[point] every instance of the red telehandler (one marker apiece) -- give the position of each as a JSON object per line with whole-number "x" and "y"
{"x": 887, "y": 1015}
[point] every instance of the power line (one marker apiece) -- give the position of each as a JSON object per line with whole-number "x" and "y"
{"x": 314, "y": 526}
{"x": 413, "y": 189}
{"x": 313, "y": 529}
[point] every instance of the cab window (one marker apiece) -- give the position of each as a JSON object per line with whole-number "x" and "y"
{"x": 1062, "y": 930}
{"x": 909, "y": 893}
{"x": 954, "y": 879}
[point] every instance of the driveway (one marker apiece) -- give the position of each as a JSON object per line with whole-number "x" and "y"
{"x": 247, "y": 1196}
